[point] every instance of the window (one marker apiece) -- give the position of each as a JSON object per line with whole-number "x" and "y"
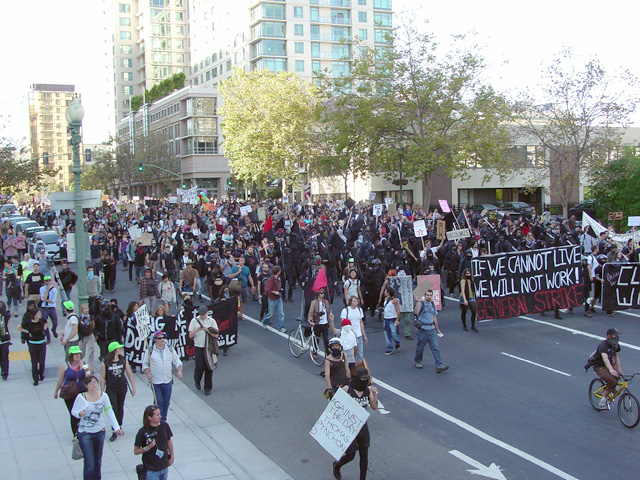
{"x": 314, "y": 14}
{"x": 341, "y": 51}
{"x": 362, "y": 17}
{"x": 340, "y": 33}
{"x": 299, "y": 65}
{"x": 157, "y": 3}
{"x": 382, "y": 4}
{"x": 179, "y": 16}
{"x": 126, "y": 76}
{"x": 125, "y": 35}
{"x": 127, "y": 90}
{"x": 125, "y": 103}
{"x": 382, "y": 19}
{"x": 340, "y": 16}
{"x": 126, "y": 48}
{"x": 269, "y": 12}
{"x": 315, "y": 32}
{"x": 382, "y": 36}
{"x": 297, "y": 12}
{"x": 363, "y": 34}
{"x": 178, "y": 3}
{"x": 228, "y": 65}
{"x": 124, "y": 8}
{"x": 125, "y": 22}
{"x": 269, "y": 47}
{"x": 272, "y": 64}
{"x": 180, "y": 44}
{"x": 180, "y": 30}
{"x": 299, "y": 47}
{"x": 315, "y": 66}
{"x": 180, "y": 58}
{"x": 268, "y": 29}
{"x": 339, "y": 69}
{"x": 362, "y": 2}
{"x": 315, "y": 50}
{"x": 126, "y": 62}
{"x": 298, "y": 30}
{"x": 207, "y": 75}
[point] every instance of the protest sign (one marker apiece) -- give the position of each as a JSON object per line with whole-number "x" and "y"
{"x": 244, "y": 210}
{"x": 458, "y": 234}
{"x": 29, "y": 265}
{"x": 429, "y": 282}
{"x": 145, "y": 239}
{"x": 377, "y": 210}
{"x": 615, "y": 215}
{"x": 262, "y": 214}
{"x": 339, "y": 424}
{"x": 419, "y": 228}
{"x": 173, "y": 199}
{"x": 634, "y": 221}
{"x": 188, "y": 195}
{"x": 620, "y": 286}
{"x": 193, "y": 201}
{"x": 372, "y": 196}
{"x": 441, "y": 228}
{"x": 143, "y": 326}
{"x": 285, "y": 199}
{"x": 134, "y": 232}
{"x": 444, "y": 205}
{"x": 403, "y": 286}
{"x": 392, "y": 209}
{"x": 131, "y": 208}
{"x": 520, "y": 283}
{"x": 388, "y": 201}
{"x": 209, "y": 207}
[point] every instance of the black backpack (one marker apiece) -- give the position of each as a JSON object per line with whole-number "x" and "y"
{"x": 591, "y": 361}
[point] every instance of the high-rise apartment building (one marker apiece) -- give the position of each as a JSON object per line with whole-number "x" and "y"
{"x": 48, "y": 128}
{"x": 302, "y": 36}
{"x": 150, "y": 44}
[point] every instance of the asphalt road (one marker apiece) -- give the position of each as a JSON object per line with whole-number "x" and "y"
{"x": 493, "y": 406}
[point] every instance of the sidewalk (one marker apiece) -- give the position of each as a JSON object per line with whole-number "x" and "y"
{"x": 35, "y": 435}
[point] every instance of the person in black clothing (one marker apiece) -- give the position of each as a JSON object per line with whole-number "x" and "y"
{"x": 216, "y": 281}
{"x": 109, "y": 269}
{"x": 607, "y": 364}
{"x": 168, "y": 263}
{"x": 5, "y": 340}
{"x": 114, "y": 382}
{"x": 153, "y": 442}
{"x": 108, "y": 328}
{"x": 35, "y": 328}
{"x": 263, "y": 277}
{"x": 68, "y": 278}
{"x": 12, "y": 287}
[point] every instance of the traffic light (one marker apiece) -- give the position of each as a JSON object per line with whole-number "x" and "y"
{"x": 229, "y": 182}
{"x": 184, "y": 186}
{"x": 45, "y": 158}
{"x": 87, "y": 154}
{"x": 140, "y": 169}
{"x": 44, "y": 188}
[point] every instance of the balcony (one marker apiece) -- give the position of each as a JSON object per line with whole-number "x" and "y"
{"x": 331, "y": 3}
{"x": 334, "y": 20}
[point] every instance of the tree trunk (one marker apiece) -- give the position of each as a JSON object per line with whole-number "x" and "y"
{"x": 426, "y": 191}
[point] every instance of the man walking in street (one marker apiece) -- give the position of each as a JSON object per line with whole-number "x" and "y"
{"x": 93, "y": 289}
{"x": 32, "y": 284}
{"x": 68, "y": 278}
{"x": 157, "y": 363}
{"x": 48, "y": 298}
{"x": 428, "y": 331}
{"x": 149, "y": 291}
{"x": 199, "y": 328}
{"x": 274, "y": 297}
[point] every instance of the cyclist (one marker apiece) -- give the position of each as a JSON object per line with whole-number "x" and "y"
{"x": 607, "y": 364}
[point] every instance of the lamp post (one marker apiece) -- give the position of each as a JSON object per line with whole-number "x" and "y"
{"x": 74, "y": 115}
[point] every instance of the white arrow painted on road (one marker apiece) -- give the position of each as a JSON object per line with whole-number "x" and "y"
{"x": 492, "y": 471}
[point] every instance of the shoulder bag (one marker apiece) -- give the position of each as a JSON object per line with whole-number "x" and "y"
{"x": 71, "y": 390}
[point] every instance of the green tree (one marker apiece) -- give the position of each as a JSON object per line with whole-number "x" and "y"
{"x": 575, "y": 117}
{"x": 616, "y": 185}
{"x": 159, "y": 90}
{"x": 434, "y": 105}
{"x": 268, "y": 123}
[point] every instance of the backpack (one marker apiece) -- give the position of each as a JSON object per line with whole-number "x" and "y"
{"x": 591, "y": 361}
{"x": 416, "y": 320}
{"x": 85, "y": 329}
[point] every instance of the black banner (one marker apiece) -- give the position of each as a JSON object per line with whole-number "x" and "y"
{"x": 621, "y": 286}
{"x": 225, "y": 314}
{"x": 520, "y": 283}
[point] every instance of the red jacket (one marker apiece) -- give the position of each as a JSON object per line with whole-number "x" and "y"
{"x": 273, "y": 285}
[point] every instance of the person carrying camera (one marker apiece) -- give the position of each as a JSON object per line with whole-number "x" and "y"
{"x": 153, "y": 442}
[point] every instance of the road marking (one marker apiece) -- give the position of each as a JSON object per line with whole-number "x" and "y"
{"x": 479, "y": 433}
{"x": 492, "y": 471}
{"x": 536, "y": 364}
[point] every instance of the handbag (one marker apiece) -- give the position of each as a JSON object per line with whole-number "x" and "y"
{"x": 76, "y": 451}
{"x": 70, "y": 390}
{"x": 141, "y": 471}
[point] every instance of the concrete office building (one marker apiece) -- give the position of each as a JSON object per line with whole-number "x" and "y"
{"x": 149, "y": 44}
{"x": 48, "y": 129}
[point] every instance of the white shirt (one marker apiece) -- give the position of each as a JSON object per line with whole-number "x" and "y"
{"x": 199, "y": 338}
{"x": 161, "y": 361}
{"x": 354, "y": 315}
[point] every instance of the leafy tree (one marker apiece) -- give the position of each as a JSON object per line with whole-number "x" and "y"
{"x": 431, "y": 104}
{"x": 617, "y": 184}
{"x": 268, "y": 122}
{"x": 159, "y": 90}
{"x": 575, "y": 118}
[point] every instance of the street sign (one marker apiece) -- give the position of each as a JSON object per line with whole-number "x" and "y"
{"x": 66, "y": 201}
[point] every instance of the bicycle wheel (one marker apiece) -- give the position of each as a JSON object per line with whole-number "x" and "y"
{"x": 295, "y": 342}
{"x": 594, "y": 398}
{"x": 628, "y": 410}
{"x": 317, "y": 350}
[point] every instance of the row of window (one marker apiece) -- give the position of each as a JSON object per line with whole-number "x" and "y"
{"x": 166, "y": 112}
{"x": 278, "y": 48}
{"x": 338, "y": 68}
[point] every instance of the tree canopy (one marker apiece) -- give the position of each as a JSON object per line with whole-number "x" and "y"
{"x": 159, "y": 90}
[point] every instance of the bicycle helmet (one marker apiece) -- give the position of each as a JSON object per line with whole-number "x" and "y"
{"x": 602, "y": 257}
{"x": 105, "y": 305}
{"x": 335, "y": 341}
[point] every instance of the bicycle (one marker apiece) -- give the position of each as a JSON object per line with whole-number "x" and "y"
{"x": 628, "y": 405}
{"x": 300, "y": 342}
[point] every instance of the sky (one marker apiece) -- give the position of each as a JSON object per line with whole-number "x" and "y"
{"x": 68, "y": 41}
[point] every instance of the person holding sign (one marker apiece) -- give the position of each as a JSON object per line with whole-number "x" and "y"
{"x": 467, "y": 300}
{"x": 361, "y": 391}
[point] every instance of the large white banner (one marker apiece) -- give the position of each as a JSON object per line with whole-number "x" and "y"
{"x": 621, "y": 238}
{"x": 187, "y": 195}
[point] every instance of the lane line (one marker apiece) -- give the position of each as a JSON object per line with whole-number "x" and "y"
{"x": 536, "y": 364}
{"x": 479, "y": 433}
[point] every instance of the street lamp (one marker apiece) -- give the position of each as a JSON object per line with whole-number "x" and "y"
{"x": 74, "y": 115}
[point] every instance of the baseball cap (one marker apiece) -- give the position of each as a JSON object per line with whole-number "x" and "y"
{"x": 613, "y": 331}
{"x": 202, "y": 309}
{"x": 74, "y": 349}
{"x": 113, "y": 345}
{"x": 47, "y": 277}
{"x": 68, "y": 305}
{"x": 159, "y": 334}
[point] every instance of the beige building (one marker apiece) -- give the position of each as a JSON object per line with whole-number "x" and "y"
{"x": 150, "y": 43}
{"x": 48, "y": 129}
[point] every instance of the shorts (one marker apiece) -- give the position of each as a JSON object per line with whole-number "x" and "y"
{"x": 246, "y": 294}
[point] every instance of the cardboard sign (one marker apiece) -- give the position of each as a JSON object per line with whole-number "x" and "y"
{"x": 634, "y": 221}
{"x": 429, "y": 282}
{"x": 339, "y": 424}
{"x": 209, "y": 207}
{"x": 441, "y": 228}
{"x": 262, "y": 214}
{"x": 403, "y": 286}
{"x": 131, "y": 208}
{"x": 145, "y": 239}
{"x": 458, "y": 234}
{"x": 372, "y": 196}
{"x": 419, "y": 228}
{"x": 143, "y": 322}
{"x": 173, "y": 199}
{"x": 615, "y": 215}
{"x": 245, "y": 210}
{"x": 377, "y": 210}
{"x": 134, "y": 232}
{"x": 388, "y": 201}
{"x": 392, "y": 209}
{"x": 444, "y": 205}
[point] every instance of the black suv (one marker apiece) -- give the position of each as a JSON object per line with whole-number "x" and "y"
{"x": 520, "y": 207}
{"x": 588, "y": 206}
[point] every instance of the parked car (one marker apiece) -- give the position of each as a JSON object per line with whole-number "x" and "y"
{"x": 499, "y": 211}
{"x": 47, "y": 238}
{"x": 520, "y": 207}
{"x": 30, "y": 232}
{"x": 16, "y": 220}
{"x": 25, "y": 224}
{"x": 8, "y": 209}
{"x": 588, "y": 206}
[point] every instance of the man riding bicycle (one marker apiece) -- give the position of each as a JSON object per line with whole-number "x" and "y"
{"x": 607, "y": 364}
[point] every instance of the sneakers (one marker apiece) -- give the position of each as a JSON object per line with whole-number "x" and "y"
{"x": 588, "y": 314}
{"x": 207, "y": 392}
{"x": 397, "y": 346}
{"x": 283, "y": 330}
{"x": 475, "y": 329}
{"x": 408, "y": 337}
{"x": 604, "y": 404}
{"x": 417, "y": 364}
{"x": 442, "y": 368}
{"x": 391, "y": 352}
{"x": 198, "y": 386}
{"x": 611, "y": 314}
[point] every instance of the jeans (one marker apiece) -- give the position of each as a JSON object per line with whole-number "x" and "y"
{"x": 50, "y": 312}
{"x": 163, "y": 396}
{"x": 275, "y": 306}
{"x": 91, "y": 444}
{"x": 159, "y": 475}
{"x": 360, "y": 341}
{"x": 391, "y": 333}
{"x": 150, "y": 302}
{"x": 201, "y": 285}
{"x": 430, "y": 336}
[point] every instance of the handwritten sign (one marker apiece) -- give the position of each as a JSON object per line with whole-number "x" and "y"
{"x": 145, "y": 239}
{"x": 444, "y": 205}
{"x": 403, "y": 286}
{"x": 134, "y": 232}
{"x": 173, "y": 199}
{"x": 285, "y": 199}
{"x": 377, "y": 210}
{"x": 262, "y": 214}
{"x": 143, "y": 322}
{"x": 131, "y": 208}
{"x": 339, "y": 424}
{"x": 388, "y": 201}
{"x": 621, "y": 286}
{"x": 245, "y": 210}
{"x": 615, "y": 215}
{"x": 458, "y": 234}
{"x": 634, "y": 221}
{"x": 372, "y": 196}
{"x": 429, "y": 282}
{"x": 419, "y": 228}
